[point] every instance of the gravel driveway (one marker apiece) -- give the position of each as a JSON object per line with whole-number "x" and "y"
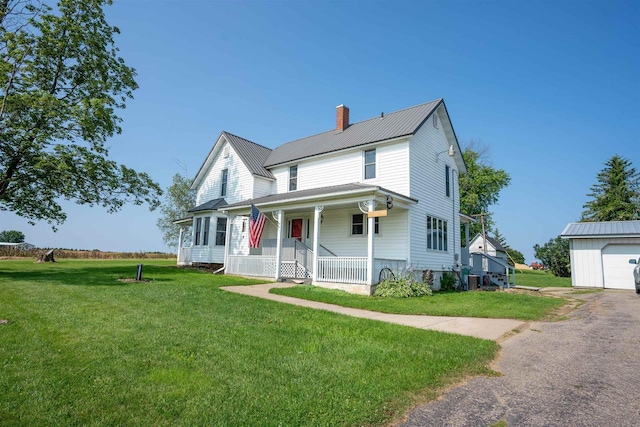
{"x": 584, "y": 371}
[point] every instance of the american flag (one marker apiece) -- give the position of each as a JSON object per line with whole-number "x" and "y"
{"x": 256, "y": 227}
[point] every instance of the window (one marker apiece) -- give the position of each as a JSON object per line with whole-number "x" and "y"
{"x": 357, "y": 224}
{"x": 370, "y": 164}
{"x": 437, "y": 238}
{"x": 223, "y": 182}
{"x": 221, "y": 231}
{"x": 293, "y": 178}
{"x": 447, "y": 174}
{"x": 225, "y": 152}
{"x": 435, "y": 120}
{"x": 205, "y": 231}
{"x": 198, "y": 230}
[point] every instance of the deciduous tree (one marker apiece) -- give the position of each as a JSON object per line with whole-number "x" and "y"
{"x": 178, "y": 200}
{"x": 480, "y": 186}
{"x": 555, "y": 256}
{"x": 12, "y": 236}
{"x": 61, "y": 85}
{"x": 616, "y": 196}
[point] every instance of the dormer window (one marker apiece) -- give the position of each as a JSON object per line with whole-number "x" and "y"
{"x": 370, "y": 164}
{"x": 224, "y": 176}
{"x": 293, "y": 178}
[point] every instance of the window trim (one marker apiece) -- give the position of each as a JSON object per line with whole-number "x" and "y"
{"x": 293, "y": 179}
{"x": 224, "y": 181}
{"x": 437, "y": 234}
{"x": 365, "y": 224}
{"x": 197, "y": 233}
{"x": 365, "y": 164}
{"x": 447, "y": 178}
{"x": 205, "y": 231}
{"x": 221, "y": 220}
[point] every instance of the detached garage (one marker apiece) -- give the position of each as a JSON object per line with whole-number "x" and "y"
{"x": 600, "y": 253}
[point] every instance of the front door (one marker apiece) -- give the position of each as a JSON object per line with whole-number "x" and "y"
{"x": 296, "y": 229}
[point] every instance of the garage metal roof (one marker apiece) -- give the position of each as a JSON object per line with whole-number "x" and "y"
{"x": 602, "y": 229}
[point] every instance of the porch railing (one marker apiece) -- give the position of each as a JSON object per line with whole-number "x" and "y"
{"x": 483, "y": 265}
{"x": 252, "y": 265}
{"x": 342, "y": 270}
{"x": 294, "y": 255}
{"x": 184, "y": 256}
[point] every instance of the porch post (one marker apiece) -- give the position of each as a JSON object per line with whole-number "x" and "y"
{"x": 180, "y": 243}
{"x": 466, "y": 235}
{"x": 227, "y": 238}
{"x": 279, "y": 218}
{"x": 371, "y": 232}
{"x": 317, "y": 217}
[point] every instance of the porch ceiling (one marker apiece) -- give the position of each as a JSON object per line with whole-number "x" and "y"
{"x": 334, "y": 197}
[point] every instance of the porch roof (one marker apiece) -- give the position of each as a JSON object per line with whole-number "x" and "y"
{"x": 211, "y": 205}
{"x": 320, "y": 195}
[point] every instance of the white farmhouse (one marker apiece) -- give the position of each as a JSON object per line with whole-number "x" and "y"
{"x": 341, "y": 205}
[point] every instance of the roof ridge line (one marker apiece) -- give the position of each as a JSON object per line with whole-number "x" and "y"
{"x": 248, "y": 140}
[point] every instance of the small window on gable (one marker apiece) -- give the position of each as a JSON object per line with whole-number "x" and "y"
{"x": 293, "y": 178}
{"x": 357, "y": 224}
{"x": 370, "y": 164}
{"x": 435, "y": 120}
{"x": 225, "y": 152}
{"x": 224, "y": 176}
{"x": 447, "y": 175}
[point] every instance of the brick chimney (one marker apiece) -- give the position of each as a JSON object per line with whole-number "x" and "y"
{"x": 342, "y": 117}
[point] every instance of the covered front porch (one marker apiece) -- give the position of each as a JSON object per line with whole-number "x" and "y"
{"x": 341, "y": 238}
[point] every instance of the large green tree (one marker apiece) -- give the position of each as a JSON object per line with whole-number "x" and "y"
{"x": 555, "y": 256}
{"x": 178, "y": 200}
{"x": 61, "y": 86}
{"x": 616, "y": 196}
{"x": 480, "y": 186}
{"x": 12, "y": 236}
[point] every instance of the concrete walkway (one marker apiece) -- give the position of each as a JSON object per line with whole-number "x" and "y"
{"x": 491, "y": 329}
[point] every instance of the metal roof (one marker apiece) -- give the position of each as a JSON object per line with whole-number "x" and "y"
{"x": 602, "y": 229}
{"x": 393, "y": 125}
{"x": 316, "y": 192}
{"x": 496, "y": 244}
{"x": 253, "y": 155}
{"x": 211, "y": 205}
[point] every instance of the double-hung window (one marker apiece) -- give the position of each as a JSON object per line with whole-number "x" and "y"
{"x": 358, "y": 226}
{"x": 293, "y": 178}
{"x": 221, "y": 231}
{"x": 447, "y": 178}
{"x": 224, "y": 177}
{"x": 198, "y": 230}
{"x": 205, "y": 231}
{"x": 370, "y": 164}
{"x": 437, "y": 238}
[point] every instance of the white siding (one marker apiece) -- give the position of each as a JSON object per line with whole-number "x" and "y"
{"x": 262, "y": 187}
{"x": 427, "y": 184}
{"x": 586, "y": 259}
{"x": 239, "y": 183}
{"x": 392, "y": 162}
{"x": 211, "y": 253}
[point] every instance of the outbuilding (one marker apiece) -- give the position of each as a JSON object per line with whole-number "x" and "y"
{"x": 600, "y": 253}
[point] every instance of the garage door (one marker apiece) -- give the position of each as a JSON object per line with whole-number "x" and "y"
{"x": 618, "y": 273}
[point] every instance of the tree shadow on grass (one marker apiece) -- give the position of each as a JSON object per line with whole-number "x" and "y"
{"x": 95, "y": 275}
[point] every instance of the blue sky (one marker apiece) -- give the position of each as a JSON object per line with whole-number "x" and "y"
{"x": 552, "y": 88}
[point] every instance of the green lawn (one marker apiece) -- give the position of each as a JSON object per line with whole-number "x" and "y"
{"x": 541, "y": 279}
{"x": 503, "y": 305}
{"x": 82, "y": 349}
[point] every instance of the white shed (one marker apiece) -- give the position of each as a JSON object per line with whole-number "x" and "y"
{"x": 600, "y": 253}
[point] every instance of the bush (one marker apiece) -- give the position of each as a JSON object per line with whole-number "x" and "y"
{"x": 403, "y": 286}
{"x": 447, "y": 281}
{"x": 555, "y": 256}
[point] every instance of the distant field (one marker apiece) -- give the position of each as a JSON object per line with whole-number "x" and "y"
{"x": 83, "y": 254}
{"x": 82, "y": 348}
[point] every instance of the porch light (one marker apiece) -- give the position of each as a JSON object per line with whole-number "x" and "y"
{"x": 451, "y": 152}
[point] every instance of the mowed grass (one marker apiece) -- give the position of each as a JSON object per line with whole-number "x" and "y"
{"x": 502, "y": 305}
{"x": 541, "y": 279}
{"x": 81, "y": 348}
